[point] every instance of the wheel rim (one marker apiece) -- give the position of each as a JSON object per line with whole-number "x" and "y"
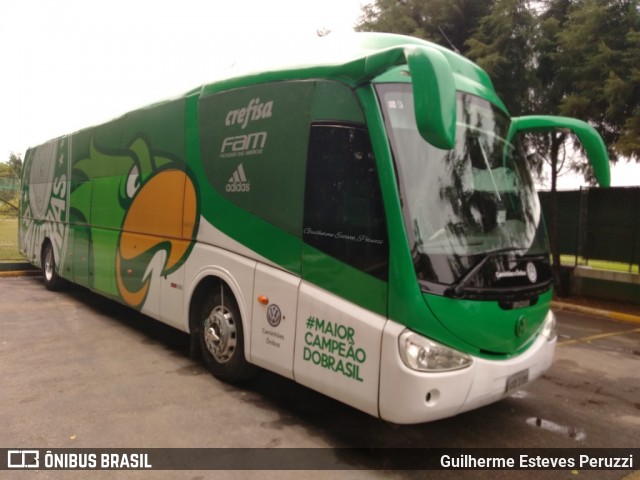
{"x": 220, "y": 334}
{"x": 48, "y": 264}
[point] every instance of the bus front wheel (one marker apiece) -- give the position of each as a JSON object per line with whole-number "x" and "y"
{"x": 221, "y": 337}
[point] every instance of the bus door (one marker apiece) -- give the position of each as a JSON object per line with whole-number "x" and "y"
{"x": 343, "y": 295}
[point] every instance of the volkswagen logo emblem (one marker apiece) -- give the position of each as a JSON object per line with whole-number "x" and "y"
{"x": 521, "y": 326}
{"x": 274, "y": 315}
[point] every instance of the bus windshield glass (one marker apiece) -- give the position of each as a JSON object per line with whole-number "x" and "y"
{"x": 466, "y": 204}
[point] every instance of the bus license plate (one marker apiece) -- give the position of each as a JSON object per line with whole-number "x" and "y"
{"x": 517, "y": 380}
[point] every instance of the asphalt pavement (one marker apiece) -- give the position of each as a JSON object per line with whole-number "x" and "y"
{"x": 80, "y": 371}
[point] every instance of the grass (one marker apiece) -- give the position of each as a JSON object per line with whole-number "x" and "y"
{"x": 570, "y": 260}
{"x": 9, "y": 239}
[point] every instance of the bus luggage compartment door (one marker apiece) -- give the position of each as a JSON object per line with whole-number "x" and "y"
{"x": 274, "y": 319}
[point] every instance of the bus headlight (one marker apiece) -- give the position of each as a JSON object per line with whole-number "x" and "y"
{"x": 549, "y": 330}
{"x": 425, "y": 355}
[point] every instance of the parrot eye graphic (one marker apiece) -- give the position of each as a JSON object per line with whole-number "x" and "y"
{"x": 133, "y": 182}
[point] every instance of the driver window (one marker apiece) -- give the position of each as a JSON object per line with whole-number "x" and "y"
{"x": 344, "y": 214}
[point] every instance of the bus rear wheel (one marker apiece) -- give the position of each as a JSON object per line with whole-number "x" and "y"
{"x": 52, "y": 281}
{"x": 221, "y": 337}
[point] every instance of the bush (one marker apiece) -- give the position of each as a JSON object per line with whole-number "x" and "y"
{"x": 9, "y": 204}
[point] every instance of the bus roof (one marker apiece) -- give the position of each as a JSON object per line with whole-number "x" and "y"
{"x": 345, "y": 58}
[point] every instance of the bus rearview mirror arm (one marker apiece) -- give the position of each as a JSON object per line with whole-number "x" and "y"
{"x": 433, "y": 88}
{"x": 591, "y": 140}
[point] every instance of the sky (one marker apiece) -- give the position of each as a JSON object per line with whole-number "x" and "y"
{"x": 70, "y": 64}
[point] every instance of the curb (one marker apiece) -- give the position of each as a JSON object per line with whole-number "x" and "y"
{"x": 18, "y": 269}
{"x": 618, "y": 316}
{"x": 20, "y": 273}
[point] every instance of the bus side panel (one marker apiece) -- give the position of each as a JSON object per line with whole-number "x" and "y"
{"x": 79, "y": 261}
{"x": 92, "y": 175}
{"x": 44, "y": 207}
{"x": 133, "y": 225}
{"x": 253, "y": 145}
{"x": 80, "y": 241}
{"x": 104, "y": 234}
{"x": 337, "y": 348}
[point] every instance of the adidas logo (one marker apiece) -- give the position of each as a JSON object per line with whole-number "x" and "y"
{"x": 238, "y": 181}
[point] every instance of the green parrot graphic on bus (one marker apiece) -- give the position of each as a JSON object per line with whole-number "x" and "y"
{"x": 117, "y": 228}
{"x": 155, "y": 227}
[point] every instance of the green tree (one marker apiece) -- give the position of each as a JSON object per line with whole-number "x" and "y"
{"x": 552, "y": 18}
{"x": 566, "y": 57}
{"x": 504, "y": 45}
{"x": 599, "y": 65}
{"x": 10, "y": 174}
{"x": 551, "y": 149}
{"x": 587, "y": 56}
{"x": 15, "y": 163}
{"x": 446, "y": 22}
{"x": 628, "y": 97}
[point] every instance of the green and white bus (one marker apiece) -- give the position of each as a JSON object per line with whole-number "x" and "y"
{"x": 365, "y": 225}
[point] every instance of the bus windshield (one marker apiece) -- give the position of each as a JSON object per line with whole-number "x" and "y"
{"x": 463, "y": 205}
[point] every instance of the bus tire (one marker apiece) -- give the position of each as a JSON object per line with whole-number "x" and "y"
{"x": 52, "y": 281}
{"x": 221, "y": 336}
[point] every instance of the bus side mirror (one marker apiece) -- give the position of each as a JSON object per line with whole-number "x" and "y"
{"x": 434, "y": 91}
{"x": 591, "y": 140}
{"x": 434, "y": 96}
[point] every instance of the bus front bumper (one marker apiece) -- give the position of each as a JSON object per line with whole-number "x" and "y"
{"x": 408, "y": 396}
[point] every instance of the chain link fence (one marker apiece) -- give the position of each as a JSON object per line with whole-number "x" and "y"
{"x": 599, "y": 227}
{"x": 9, "y": 195}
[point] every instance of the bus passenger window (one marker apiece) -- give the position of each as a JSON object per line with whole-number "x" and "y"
{"x": 343, "y": 213}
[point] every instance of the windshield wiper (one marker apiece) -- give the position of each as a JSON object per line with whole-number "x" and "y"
{"x": 459, "y": 286}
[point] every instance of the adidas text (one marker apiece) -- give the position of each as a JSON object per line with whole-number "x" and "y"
{"x": 238, "y": 181}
